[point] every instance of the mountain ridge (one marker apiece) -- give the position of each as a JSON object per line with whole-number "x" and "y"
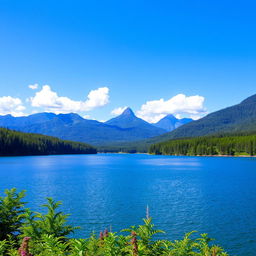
{"x": 73, "y": 127}
{"x": 234, "y": 119}
{"x": 129, "y": 120}
{"x": 170, "y": 122}
{"x": 126, "y": 127}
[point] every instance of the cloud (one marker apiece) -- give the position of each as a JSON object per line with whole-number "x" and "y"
{"x": 178, "y": 116}
{"x": 50, "y": 101}
{"x": 118, "y": 111}
{"x": 153, "y": 111}
{"x": 33, "y": 86}
{"x": 10, "y": 105}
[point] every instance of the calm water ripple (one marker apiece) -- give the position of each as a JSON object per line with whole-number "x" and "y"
{"x": 214, "y": 195}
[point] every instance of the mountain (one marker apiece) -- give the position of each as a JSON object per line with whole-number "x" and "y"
{"x": 170, "y": 122}
{"x": 128, "y": 120}
{"x": 237, "y": 120}
{"x": 74, "y": 127}
{"x": 15, "y": 143}
{"x": 240, "y": 118}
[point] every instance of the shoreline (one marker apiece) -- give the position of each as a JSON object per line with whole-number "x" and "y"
{"x": 137, "y": 153}
{"x": 208, "y": 155}
{"x": 146, "y": 153}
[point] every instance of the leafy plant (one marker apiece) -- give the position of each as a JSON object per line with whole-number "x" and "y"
{"x": 47, "y": 235}
{"x": 11, "y": 214}
{"x": 52, "y": 223}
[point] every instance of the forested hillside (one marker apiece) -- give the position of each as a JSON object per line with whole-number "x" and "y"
{"x": 227, "y": 145}
{"x": 13, "y": 143}
{"x": 238, "y": 118}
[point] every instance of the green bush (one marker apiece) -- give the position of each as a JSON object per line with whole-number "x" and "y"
{"x": 28, "y": 233}
{"x": 52, "y": 223}
{"x": 11, "y": 214}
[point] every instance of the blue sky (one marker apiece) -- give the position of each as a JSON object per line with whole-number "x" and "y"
{"x": 140, "y": 50}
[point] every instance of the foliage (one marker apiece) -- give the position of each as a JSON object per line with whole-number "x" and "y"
{"x": 13, "y": 143}
{"x": 11, "y": 214}
{"x": 215, "y": 145}
{"x": 48, "y": 235}
{"x": 52, "y": 223}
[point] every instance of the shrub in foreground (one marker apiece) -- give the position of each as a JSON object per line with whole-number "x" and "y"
{"x": 37, "y": 234}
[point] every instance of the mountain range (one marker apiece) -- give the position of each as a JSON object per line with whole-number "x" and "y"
{"x": 129, "y": 131}
{"x": 237, "y": 119}
{"x": 123, "y": 128}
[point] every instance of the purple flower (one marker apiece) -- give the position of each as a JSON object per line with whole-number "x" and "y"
{"x": 24, "y": 248}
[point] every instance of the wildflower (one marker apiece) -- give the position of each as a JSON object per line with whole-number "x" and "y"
{"x": 101, "y": 236}
{"x": 24, "y": 248}
{"x": 134, "y": 244}
{"x": 106, "y": 233}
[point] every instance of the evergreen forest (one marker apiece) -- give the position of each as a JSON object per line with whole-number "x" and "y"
{"x": 232, "y": 145}
{"x": 13, "y": 143}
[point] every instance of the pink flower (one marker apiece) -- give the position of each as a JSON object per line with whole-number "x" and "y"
{"x": 24, "y": 248}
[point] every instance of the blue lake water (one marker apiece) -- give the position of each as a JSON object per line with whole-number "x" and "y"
{"x": 214, "y": 195}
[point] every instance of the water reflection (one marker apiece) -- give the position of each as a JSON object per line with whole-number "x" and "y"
{"x": 172, "y": 161}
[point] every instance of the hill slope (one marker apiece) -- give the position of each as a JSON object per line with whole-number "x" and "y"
{"x": 13, "y": 143}
{"x": 235, "y": 119}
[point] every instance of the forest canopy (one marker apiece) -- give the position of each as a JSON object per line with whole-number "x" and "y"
{"x": 13, "y": 143}
{"x": 214, "y": 145}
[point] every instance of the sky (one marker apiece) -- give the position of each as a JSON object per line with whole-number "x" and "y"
{"x": 94, "y": 58}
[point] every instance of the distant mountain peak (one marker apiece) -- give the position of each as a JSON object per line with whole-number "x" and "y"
{"x": 128, "y": 120}
{"x": 236, "y": 119}
{"x": 170, "y": 122}
{"x": 71, "y": 115}
{"x": 170, "y": 116}
{"x": 47, "y": 114}
{"x": 128, "y": 112}
{"x": 249, "y": 100}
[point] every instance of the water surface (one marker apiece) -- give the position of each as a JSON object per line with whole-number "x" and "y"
{"x": 214, "y": 195}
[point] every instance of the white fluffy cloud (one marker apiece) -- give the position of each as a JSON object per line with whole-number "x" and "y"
{"x": 33, "y": 86}
{"x": 118, "y": 111}
{"x": 153, "y": 111}
{"x": 10, "y": 105}
{"x": 50, "y": 101}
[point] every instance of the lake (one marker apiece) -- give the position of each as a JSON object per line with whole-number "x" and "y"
{"x": 214, "y": 195}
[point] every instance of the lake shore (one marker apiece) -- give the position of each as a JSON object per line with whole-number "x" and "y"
{"x": 210, "y": 155}
{"x": 138, "y": 153}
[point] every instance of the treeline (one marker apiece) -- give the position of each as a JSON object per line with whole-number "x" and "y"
{"x": 131, "y": 148}
{"x": 13, "y": 143}
{"x": 214, "y": 145}
{"x": 27, "y": 233}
